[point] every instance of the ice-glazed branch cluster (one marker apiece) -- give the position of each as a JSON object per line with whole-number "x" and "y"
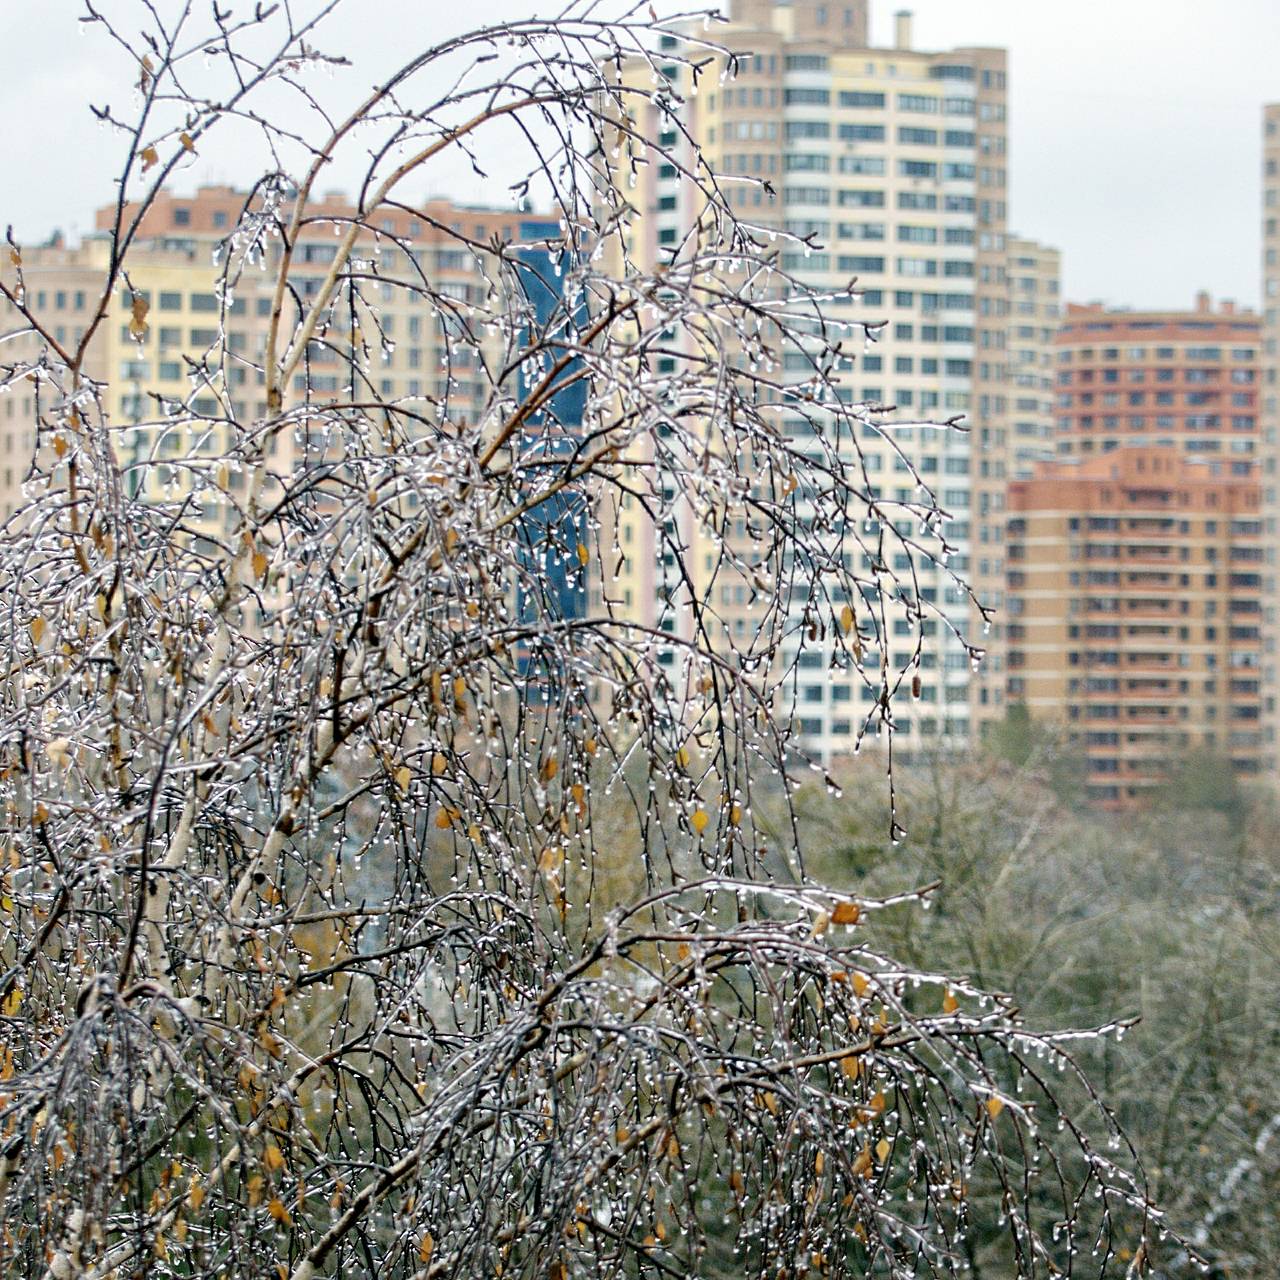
{"x": 381, "y": 891}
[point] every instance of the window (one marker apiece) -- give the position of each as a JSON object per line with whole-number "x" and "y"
{"x": 873, "y": 165}
{"x": 807, "y": 62}
{"x": 960, "y": 138}
{"x": 807, "y": 129}
{"x": 808, "y": 163}
{"x": 917, "y": 102}
{"x": 917, "y": 169}
{"x": 203, "y": 302}
{"x": 918, "y": 235}
{"x": 912, "y": 137}
{"x": 808, "y": 195}
{"x": 181, "y": 217}
{"x": 917, "y": 267}
{"x": 862, "y": 199}
{"x": 861, "y": 230}
{"x": 860, "y": 99}
{"x": 171, "y": 302}
{"x": 861, "y": 132}
{"x": 807, "y": 97}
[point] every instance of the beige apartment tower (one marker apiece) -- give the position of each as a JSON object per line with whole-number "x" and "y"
{"x": 894, "y": 161}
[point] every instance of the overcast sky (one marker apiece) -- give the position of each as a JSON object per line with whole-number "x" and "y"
{"x": 1135, "y": 123}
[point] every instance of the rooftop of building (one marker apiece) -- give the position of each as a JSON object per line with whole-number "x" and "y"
{"x": 1097, "y": 316}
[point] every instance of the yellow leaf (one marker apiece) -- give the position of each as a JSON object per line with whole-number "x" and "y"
{"x": 819, "y": 1163}
{"x": 994, "y": 1107}
{"x": 459, "y": 689}
{"x": 851, "y": 1066}
{"x": 699, "y": 820}
{"x": 771, "y": 1103}
{"x": 425, "y": 1248}
{"x": 589, "y": 746}
{"x": 584, "y": 555}
{"x": 439, "y": 763}
{"x": 860, "y": 984}
{"x": 846, "y": 913}
{"x": 12, "y": 1002}
{"x": 821, "y": 924}
{"x": 846, "y": 618}
{"x": 949, "y": 1003}
{"x": 195, "y": 1194}
{"x": 187, "y": 144}
{"x": 443, "y": 821}
{"x": 277, "y": 1210}
{"x": 259, "y": 565}
{"x": 883, "y": 1147}
{"x": 735, "y": 814}
{"x": 15, "y": 257}
{"x": 150, "y": 158}
{"x": 37, "y": 629}
{"x": 862, "y": 1163}
{"x": 550, "y": 768}
{"x": 254, "y": 1186}
{"x": 273, "y": 1158}
{"x": 59, "y": 446}
{"x": 579, "y": 793}
{"x": 878, "y": 1102}
{"x": 404, "y": 776}
{"x": 682, "y": 758}
{"x": 735, "y": 1183}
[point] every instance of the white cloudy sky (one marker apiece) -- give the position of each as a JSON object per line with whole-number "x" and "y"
{"x": 1135, "y": 123}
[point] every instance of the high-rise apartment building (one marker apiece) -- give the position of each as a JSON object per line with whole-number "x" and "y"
{"x": 190, "y": 327}
{"x": 1270, "y": 410}
{"x": 1135, "y": 601}
{"x": 1134, "y": 561}
{"x": 1008, "y": 444}
{"x": 1185, "y": 380}
{"x": 894, "y": 160}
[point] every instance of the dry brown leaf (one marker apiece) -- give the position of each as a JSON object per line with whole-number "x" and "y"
{"x": 846, "y": 913}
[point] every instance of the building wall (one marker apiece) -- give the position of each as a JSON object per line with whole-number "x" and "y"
{"x": 895, "y": 162}
{"x": 1008, "y": 443}
{"x": 1135, "y": 597}
{"x": 189, "y": 325}
{"x": 1270, "y": 410}
{"x": 1187, "y": 380}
